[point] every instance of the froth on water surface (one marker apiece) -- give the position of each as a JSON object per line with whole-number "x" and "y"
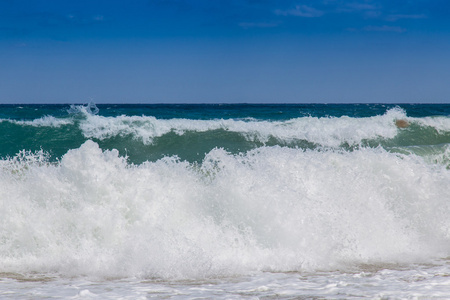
{"x": 272, "y": 209}
{"x": 149, "y": 133}
{"x": 310, "y": 206}
{"x": 417, "y": 281}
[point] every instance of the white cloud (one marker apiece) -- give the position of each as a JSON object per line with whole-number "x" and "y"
{"x": 301, "y": 11}
{"x": 247, "y": 25}
{"x": 364, "y": 8}
{"x": 357, "y": 7}
{"x": 361, "y": 6}
{"x": 394, "y": 18}
{"x": 385, "y": 28}
{"x": 98, "y": 18}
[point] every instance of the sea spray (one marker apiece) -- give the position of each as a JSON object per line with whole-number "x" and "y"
{"x": 326, "y": 131}
{"x": 270, "y": 209}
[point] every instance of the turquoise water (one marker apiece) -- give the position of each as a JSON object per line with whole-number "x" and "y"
{"x": 150, "y": 132}
{"x": 224, "y": 201}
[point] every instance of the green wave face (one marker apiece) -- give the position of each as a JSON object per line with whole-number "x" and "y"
{"x": 148, "y": 133}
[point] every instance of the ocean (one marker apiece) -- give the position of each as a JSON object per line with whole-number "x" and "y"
{"x": 225, "y": 201}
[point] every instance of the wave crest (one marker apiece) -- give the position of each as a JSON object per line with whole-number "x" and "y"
{"x": 272, "y": 209}
{"x": 326, "y": 131}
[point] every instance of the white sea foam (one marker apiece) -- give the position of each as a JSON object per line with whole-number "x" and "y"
{"x": 46, "y": 121}
{"x": 441, "y": 124}
{"x": 418, "y": 282}
{"x": 331, "y": 132}
{"x": 273, "y": 209}
{"x": 90, "y": 109}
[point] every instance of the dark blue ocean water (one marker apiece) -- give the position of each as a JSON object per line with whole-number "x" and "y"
{"x": 225, "y": 111}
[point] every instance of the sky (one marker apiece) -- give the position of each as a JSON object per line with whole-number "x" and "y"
{"x": 225, "y": 51}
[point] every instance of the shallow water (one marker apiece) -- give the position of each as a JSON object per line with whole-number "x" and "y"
{"x": 374, "y": 282}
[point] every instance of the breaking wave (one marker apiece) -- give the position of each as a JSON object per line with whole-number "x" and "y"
{"x": 269, "y": 209}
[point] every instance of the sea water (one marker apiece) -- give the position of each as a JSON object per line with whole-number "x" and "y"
{"x": 224, "y": 201}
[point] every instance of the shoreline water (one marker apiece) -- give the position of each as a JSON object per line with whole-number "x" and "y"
{"x": 423, "y": 281}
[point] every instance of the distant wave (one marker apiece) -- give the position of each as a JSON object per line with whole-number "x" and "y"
{"x": 323, "y": 131}
{"x": 149, "y": 138}
{"x": 47, "y": 121}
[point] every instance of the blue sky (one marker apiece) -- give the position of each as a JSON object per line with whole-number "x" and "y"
{"x": 254, "y": 51}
